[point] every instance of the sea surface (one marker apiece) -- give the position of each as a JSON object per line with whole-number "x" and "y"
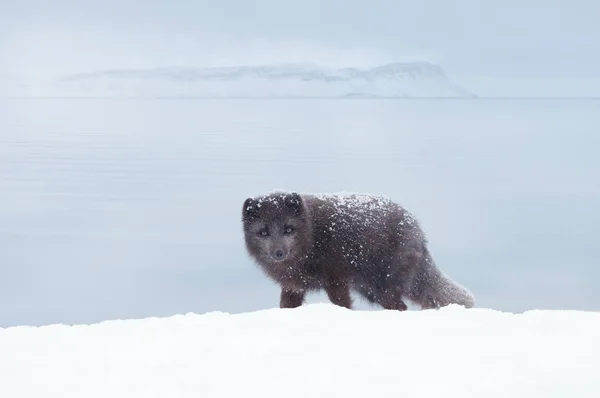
{"x": 121, "y": 208}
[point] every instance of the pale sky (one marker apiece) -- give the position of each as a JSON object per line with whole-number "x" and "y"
{"x": 467, "y": 37}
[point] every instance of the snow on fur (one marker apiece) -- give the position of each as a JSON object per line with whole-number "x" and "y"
{"x": 315, "y": 351}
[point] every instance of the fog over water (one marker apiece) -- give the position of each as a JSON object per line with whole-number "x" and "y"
{"x": 131, "y": 208}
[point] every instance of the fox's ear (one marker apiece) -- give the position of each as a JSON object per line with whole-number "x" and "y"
{"x": 294, "y": 202}
{"x": 249, "y": 210}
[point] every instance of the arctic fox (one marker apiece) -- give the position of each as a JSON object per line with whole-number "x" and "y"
{"x": 343, "y": 243}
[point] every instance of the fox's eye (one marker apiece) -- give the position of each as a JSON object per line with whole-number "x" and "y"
{"x": 264, "y": 232}
{"x": 288, "y": 230}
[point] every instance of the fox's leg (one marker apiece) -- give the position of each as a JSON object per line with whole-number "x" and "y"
{"x": 339, "y": 294}
{"x": 291, "y": 298}
{"x": 392, "y": 300}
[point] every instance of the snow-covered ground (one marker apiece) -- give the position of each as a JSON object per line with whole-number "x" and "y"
{"x": 315, "y": 351}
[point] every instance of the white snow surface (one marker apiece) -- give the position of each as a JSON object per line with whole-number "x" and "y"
{"x": 318, "y": 350}
{"x": 396, "y": 80}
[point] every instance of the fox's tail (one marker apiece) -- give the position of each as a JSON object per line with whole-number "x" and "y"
{"x": 431, "y": 288}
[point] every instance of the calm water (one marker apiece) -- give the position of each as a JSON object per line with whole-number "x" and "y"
{"x": 130, "y": 208}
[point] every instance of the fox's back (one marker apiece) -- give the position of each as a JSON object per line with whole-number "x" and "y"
{"x": 361, "y": 229}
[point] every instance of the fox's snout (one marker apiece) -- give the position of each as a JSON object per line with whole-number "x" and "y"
{"x": 278, "y": 254}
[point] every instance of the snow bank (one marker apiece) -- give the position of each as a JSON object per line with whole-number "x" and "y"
{"x": 315, "y": 351}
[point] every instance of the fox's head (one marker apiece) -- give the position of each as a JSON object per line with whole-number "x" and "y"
{"x": 276, "y": 227}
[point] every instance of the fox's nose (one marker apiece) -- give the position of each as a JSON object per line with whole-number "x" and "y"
{"x": 278, "y": 255}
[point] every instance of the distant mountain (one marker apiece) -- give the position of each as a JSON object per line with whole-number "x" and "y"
{"x": 397, "y": 80}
